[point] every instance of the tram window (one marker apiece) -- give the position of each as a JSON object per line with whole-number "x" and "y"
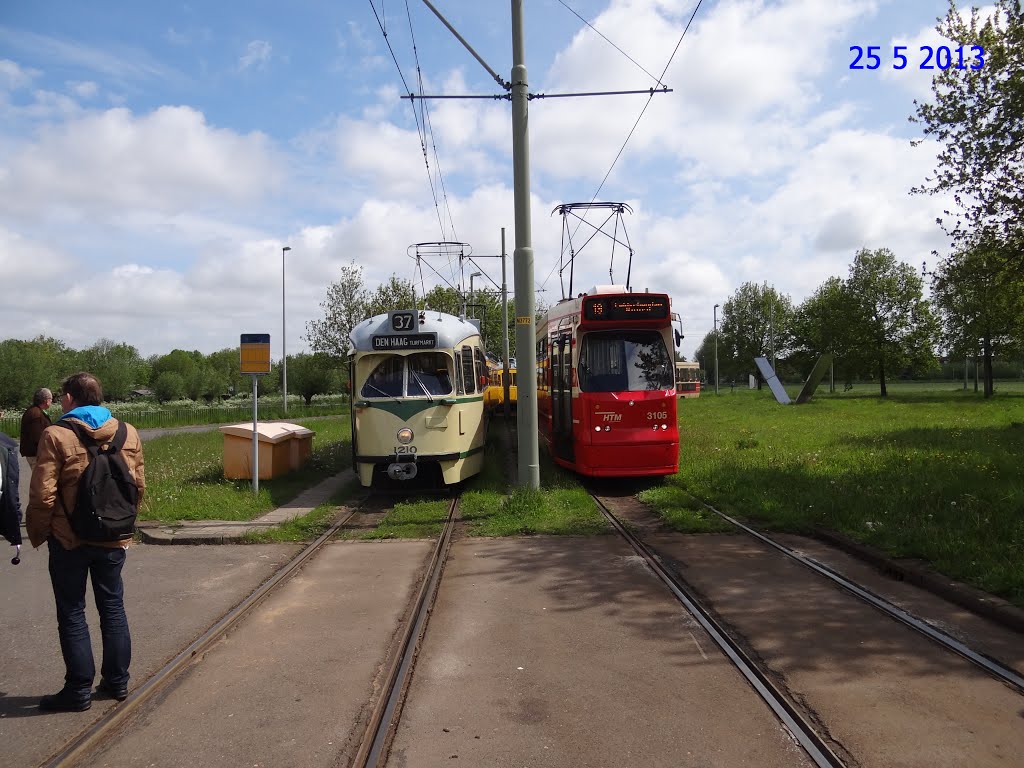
{"x": 460, "y": 389}
{"x": 624, "y": 361}
{"x": 481, "y": 368}
{"x": 386, "y": 379}
{"x": 428, "y": 374}
{"x": 468, "y": 376}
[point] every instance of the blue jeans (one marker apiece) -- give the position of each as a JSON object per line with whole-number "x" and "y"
{"x": 69, "y": 571}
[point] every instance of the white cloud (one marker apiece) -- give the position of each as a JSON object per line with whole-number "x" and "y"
{"x": 257, "y": 55}
{"x": 169, "y": 160}
{"x": 14, "y": 77}
{"x": 84, "y": 90}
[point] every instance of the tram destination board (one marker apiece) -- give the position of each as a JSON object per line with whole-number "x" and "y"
{"x": 615, "y": 308}
{"x": 405, "y": 341}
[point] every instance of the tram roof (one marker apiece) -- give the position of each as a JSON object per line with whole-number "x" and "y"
{"x": 450, "y": 330}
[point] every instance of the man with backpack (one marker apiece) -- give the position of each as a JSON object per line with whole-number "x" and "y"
{"x": 83, "y": 499}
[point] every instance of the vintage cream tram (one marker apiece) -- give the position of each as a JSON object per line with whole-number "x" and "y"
{"x": 418, "y": 379}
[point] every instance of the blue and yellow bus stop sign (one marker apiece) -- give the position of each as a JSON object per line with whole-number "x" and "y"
{"x": 255, "y": 353}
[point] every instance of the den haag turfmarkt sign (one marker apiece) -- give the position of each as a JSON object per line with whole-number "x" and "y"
{"x": 405, "y": 335}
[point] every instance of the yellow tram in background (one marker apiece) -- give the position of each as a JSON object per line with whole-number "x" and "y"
{"x": 494, "y": 395}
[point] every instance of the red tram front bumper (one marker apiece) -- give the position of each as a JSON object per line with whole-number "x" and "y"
{"x": 632, "y": 460}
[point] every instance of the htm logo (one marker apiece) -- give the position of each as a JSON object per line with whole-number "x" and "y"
{"x": 608, "y": 417}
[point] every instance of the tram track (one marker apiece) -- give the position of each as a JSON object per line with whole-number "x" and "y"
{"x": 372, "y": 749}
{"x": 995, "y": 668}
{"x": 96, "y": 734}
{"x": 807, "y": 695}
{"x": 806, "y": 733}
{"x": 370, "y": 740}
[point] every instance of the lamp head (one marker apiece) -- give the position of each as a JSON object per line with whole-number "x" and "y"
{"x": 286, "y": 248}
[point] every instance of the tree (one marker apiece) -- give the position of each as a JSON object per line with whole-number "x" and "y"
{"x": 25, "y": 366}
{"x": 978, "y": 302}
{"x": 977, "y": 117}
{"x": 344, "y": 308}
{"x": 892, "y": 327}
{"x": 310, "y": 375}
{"x": 393, "y": 294}
{"x": 116, "y": 365}
{"x": 756, "y": 322}
{"x": 821, "y": 326}
{"x": 168, "y": 385}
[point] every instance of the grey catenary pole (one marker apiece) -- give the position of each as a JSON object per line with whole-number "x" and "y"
{"x": 522, "y": 260}
{"x": 284, "y": 340}
{"x": 504, "y": 325}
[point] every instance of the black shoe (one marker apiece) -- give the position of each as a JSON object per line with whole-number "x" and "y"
{"x": 115, "y": 693}
{"x": 64, "y": 701}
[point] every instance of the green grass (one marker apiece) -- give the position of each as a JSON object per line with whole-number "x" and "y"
{"x": 308, "y": 527}
{"x": 185, "y": 475}
{"x": 561, "y": 507}
{"x": 412, "y": 519}
{"x": 926, "y": 473}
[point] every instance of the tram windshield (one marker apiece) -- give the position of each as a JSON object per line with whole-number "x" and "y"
{"x": 429, "y": 375}
{"x": 625, "y": 361}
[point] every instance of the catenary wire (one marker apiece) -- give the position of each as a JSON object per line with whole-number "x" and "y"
{"x": 633, "y": 129}
{"x": 613, "y": 45}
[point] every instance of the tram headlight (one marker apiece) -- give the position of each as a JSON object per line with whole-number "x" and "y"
{"x": 664, "y": 426}
{"x": 597, "y": 429}
{"x": 404, "y": 436}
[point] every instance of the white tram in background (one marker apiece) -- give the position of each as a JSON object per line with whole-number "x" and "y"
{"x": 418, "y": 380}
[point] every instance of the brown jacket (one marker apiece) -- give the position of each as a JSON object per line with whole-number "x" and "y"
{"x": 60, "y": 462}
{"x": 33, "y": 422}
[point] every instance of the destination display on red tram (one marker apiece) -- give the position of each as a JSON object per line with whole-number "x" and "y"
{"x": 618, "y": 308}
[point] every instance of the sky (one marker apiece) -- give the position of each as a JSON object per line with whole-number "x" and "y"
{"x": 155, "y": 159}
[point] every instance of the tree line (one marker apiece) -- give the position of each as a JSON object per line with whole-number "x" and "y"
{"x": 25, "y": 366}
{"x": 876, "y": 323}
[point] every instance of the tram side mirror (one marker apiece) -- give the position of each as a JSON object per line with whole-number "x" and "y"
{"x": 679, "y": 337}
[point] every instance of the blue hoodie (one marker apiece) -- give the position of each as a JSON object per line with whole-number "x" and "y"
{"x": 93, "y": 416}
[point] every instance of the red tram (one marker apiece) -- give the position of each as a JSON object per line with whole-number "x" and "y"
{"x": 606, "y": 394}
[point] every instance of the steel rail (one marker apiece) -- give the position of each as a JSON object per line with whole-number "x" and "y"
{"x": 1004, "y": 673}
{"x": 90, "y": 737}
{"x": 815, "y": 746}
{"x": 371, "y": 748}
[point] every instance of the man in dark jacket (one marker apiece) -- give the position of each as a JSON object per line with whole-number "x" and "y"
{"x": 10, "y": 503}
{"x": 33, "y": 422}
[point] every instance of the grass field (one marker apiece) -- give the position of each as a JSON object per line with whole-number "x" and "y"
{"x": 185, "y": 475}
{"x": 930, "y": 472}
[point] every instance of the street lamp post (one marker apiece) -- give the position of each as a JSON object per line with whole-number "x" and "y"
{"x": 716, "y": 348}
{"x": 471, "y": 296}
{"x": 284, "y": 341}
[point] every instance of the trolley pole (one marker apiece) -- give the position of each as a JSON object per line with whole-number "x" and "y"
{"x": 504, "y": 329}
{"x": 526, "y": 353}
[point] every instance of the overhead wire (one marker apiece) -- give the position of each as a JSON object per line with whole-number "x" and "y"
{"x": 613, "y": 45}
{"x": 635, "y": 124}
{"x": 424, "y": 119}
{"x": 424, "y": 128}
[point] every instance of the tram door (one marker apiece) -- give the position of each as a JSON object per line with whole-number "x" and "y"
{"x": 561, "y": 395}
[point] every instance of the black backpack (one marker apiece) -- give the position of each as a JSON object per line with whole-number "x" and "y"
{"x": 108, "y": 498}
